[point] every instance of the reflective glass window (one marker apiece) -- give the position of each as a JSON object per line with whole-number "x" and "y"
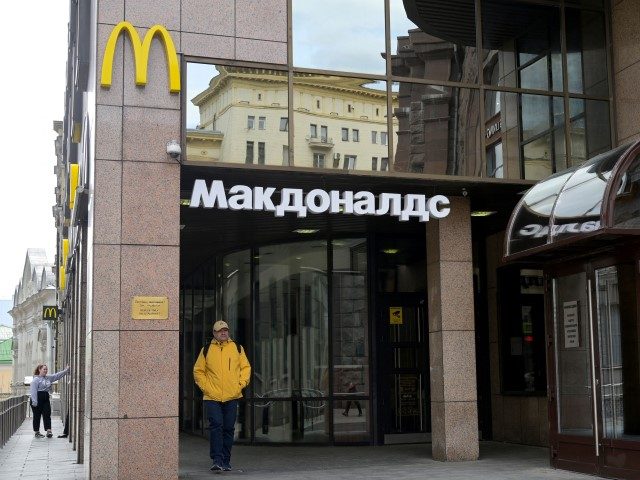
{"x": 222, "y": 107}
{"x": 338, "y": 35}
{"x": 367, "y": 100}
{"x": 424, "y": 46}
{"x": 502, "y": 134}
{"x": 236, "y": 294}
{"x": 521, "y": 45}
{"x": 355, "y": 426}
{"x": 537, "y": 157}
{"x": 291, "y": 330}
{"x": 589, "y": 127}
{"x": 350, "y": 317}
{"x": 436, "y": 129}
{"x": 586, "y": 52}
{"x": 292, "y": 421}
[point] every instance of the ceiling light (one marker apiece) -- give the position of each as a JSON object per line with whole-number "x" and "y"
{"x": 483, "y": 213}
{"x": 390, "y": 251}
{"x": 306, "y": 231}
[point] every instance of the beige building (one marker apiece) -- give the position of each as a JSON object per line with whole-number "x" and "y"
{"x": 6, "y": 360}
{"x": 244, "y": 119}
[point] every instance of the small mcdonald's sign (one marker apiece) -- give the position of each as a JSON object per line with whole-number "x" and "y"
{"x": 49, "y": 312}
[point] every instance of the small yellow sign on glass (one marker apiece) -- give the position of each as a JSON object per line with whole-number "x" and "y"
{"x": 395, "y": 315}
{"x": 150, "y": 308}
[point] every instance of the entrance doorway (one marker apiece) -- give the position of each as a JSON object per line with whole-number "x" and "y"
{"x": 404, "y": 362}
{"x": 594, "y": 393}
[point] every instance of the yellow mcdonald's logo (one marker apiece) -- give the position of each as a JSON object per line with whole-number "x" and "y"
{"x": 49, "y": 313}
{"x": 141, "y": 54}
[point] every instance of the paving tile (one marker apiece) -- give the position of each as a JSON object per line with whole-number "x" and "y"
{"x": 29, "y": 458}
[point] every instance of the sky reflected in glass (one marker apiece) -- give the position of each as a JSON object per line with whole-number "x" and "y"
{"x": 338, "y": 35}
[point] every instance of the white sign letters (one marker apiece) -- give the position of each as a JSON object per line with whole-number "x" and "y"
{"x": 294, "y": 200}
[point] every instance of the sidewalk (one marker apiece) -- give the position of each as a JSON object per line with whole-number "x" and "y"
{"x": 25, "y": 456}
{"x": 498, "y": 461}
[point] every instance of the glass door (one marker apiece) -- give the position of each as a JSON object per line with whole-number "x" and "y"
{"x": 404, "y": 364}
{"x": 573, "y": 413}
{"x": 595, "y": 379}
{"x": 619, "y": 348}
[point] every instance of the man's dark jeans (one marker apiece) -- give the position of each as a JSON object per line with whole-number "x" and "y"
{"x": 222, "y": 421}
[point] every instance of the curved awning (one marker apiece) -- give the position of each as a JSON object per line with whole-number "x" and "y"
{"x": 598, "y": 200}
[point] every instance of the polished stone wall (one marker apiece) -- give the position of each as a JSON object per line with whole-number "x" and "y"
{"x": 132, "y": 385}
{"x": 452, "y": 354}
{"x": 625, "y": 19}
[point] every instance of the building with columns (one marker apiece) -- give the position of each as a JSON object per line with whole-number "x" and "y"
{"x": 33, "y": 338}
{"x": 383, "y": 289}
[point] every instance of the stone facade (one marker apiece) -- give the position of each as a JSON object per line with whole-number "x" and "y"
{"x": 33, "y": 338}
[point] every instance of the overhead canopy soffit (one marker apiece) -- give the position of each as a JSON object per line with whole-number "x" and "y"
{"x": 599, "y": 197}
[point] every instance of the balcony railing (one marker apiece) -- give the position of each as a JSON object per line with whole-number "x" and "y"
{"x": 320, "y": 142}
{"x": 13, "y": 411}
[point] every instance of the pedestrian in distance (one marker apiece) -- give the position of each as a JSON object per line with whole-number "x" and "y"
{"x": 39, "y": 397}
{"x": 352, "y": 389}
{"x": 221, "y": 371}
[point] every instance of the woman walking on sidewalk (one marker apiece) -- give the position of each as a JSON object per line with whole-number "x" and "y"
{"x": 40, "y": 392}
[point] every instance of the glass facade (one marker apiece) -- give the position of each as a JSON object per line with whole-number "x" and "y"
{"x": 541, "y": 71}
{"x": 284, "y": 303}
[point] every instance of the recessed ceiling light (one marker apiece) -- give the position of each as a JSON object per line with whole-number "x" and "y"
{"x": 483, "y": 213}
{"x": 306, "y": 231}
{"x": 390, "y": 251}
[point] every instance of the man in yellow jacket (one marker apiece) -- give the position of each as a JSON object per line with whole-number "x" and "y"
{"x": 221, "y": 371}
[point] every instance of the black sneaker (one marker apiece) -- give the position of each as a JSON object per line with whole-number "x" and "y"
{"x": 39, "y": 435}
{"x": 216, "y": 468}
{"x": 49, "y": 434}
{"x": 227, "y": 468}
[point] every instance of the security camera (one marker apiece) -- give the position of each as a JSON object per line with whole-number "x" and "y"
{"x": 173, "y": 149}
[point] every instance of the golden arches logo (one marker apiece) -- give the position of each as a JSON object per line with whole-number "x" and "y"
{"x": 141, "y": 54}
{"x": 49, "y": 313}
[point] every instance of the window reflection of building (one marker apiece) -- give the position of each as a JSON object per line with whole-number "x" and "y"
{"x": 341, "y": 107}
{"x": 436, "y": 125}
{"x": 525, "y": 135}
{"x": 284, "y": 325}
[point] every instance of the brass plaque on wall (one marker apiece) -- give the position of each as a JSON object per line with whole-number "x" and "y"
{"x": 150, "y": 308}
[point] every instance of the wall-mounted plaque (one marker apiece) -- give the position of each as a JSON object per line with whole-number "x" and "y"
{"x": 571, "y": 324}
{"x": 150, "y": 308}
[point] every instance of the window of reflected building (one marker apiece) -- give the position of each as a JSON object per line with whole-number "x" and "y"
{"x": 346, "y": 108}
{"x": 524, "y": 135}
{"x": 436, "y": 129}
{"x": 221, "y": 109}
{"x": 421, "y": 48}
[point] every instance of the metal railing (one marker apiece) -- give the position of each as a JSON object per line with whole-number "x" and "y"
{"x": 13, "y": 412}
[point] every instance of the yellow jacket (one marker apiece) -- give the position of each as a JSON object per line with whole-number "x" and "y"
{"x": 224, "y": 373}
